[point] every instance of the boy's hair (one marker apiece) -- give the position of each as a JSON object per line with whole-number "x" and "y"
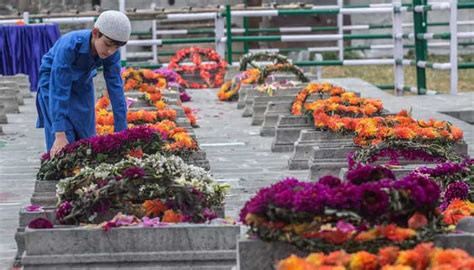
{"x": 115, "y": 42}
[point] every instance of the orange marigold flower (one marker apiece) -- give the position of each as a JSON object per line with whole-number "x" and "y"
{"x": 396, "y": 267}
{"x": 388, "y": 255}
{"x": 457, "y": 210}
{"x": 367, "y": 235}
{"x": 363, "y": 260}
{"x": 457, "y": 133}
{"x": 172, "y": 217}
{"x": 339, "y": 257}
{"x": 404, "y": 133}
{"x": 295, "y": 263}
{"x": 148, "y": 74}
{"x": 154, "y": 208}
{"x": 452, "y": 257}
{"x": 397, "y": 234}
{"x": 316, "y": 259}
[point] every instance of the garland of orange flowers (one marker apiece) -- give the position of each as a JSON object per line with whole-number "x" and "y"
{"x": 347, "y": 104}
{"x": 339, "y": 113}
{"x": 195, "y": 55}
{"x": 229, "y": 90}
{"x": 374, "y": 130}
{"x": 423, "y": 257}
{"x": 157, "y": 101}
{"x": 143, "y": 80}
{"x": 314, "y": 88}
{"x": 104, "y": 117}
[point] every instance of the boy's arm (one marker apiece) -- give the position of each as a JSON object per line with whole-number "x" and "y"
{"x": 114, "y": 84}
{"x": 60, "y": 84}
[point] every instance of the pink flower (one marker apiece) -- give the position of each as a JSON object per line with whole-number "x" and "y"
{"x": 151, "y": 222}
{"x": 40, "y": 223}
{"x": 345, "y": 227}
{"x": 34, "y": 208}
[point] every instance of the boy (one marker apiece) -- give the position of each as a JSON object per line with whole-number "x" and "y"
{"x": 65, "y": 98}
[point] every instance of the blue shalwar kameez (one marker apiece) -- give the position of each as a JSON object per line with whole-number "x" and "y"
{"x": 65, "y": 99}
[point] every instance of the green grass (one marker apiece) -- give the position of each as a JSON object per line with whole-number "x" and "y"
{"x": 438, "y": 80}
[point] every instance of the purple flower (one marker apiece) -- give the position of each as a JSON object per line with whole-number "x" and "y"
{"x": 447, "y": 168}
{"x": 40, "y": 223}
{"x": 105, "y": 144}
{"x": 138, "y": 133}
{"x": 63, "y": 210}
{"x": 259, "y": 203}
{"x": 455, "y": 190}
{"x": 344, "y": 196}
{"x": 423, "y": 191}
{"x": 209, "y": 214}
{"x": 368, "y": 173}
{"x": 330, "y": 181}
{"x": 184, "y": 97}
{"x": 169, "y": 74}
{"x": 45, "y": 156}
{"x": 374, "y": 201}
{"x": 133, "y": 172}
{"x": 310, "y": 199}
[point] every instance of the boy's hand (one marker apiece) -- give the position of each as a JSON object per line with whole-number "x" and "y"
{"x": 59, "y": 143}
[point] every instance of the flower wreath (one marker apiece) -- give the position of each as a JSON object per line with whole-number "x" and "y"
{"x": 289, "y": 68}
{"x": 249, "y": 58}
{"x": 229, "y": 90}
{"x": 312, "y": 88}
{"x": 195, "y": 55}
{"x": 409, "y": 150}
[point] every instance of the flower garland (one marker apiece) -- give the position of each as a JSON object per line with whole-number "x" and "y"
{"x": 229, "y": 90}
{"x": 157, "y": 101}
{"x": 155, "y": 186}
{"x": 424, "y": 256}
{"x": 145, "y": 80}
{"x": 347, "y": 104}
{"x": 321, "y": 89}
{"x": 330, "y": 215}
{"x": 249, "y": 58}
{"x": 195, "y": 54}
{"x": 375, "y": 130}
{"x": 112, "y": 148}
{"x": 399, "y": 135}
{"x": 430, "y": 151}
{"x": 290, "y": 68}
{"x": 106, "y": 118}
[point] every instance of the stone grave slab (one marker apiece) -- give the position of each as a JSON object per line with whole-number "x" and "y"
{"x": 173, "y": 247}
{"x": 252, "y": 94}
{"x": 287, "y": 132}
{"x": 313, "y": 138}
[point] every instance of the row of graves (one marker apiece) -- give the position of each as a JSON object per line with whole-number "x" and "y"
{"x": 384, "y": 190}
{"x": 141, "y": 198}
{"x": 13, "y": 91}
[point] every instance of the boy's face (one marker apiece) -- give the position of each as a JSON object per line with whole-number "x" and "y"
{"x": 104, "y": 46}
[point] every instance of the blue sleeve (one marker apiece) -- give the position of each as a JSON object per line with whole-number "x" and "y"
{"x": 60, "y": 84}
{"x": 114, "y": 84}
